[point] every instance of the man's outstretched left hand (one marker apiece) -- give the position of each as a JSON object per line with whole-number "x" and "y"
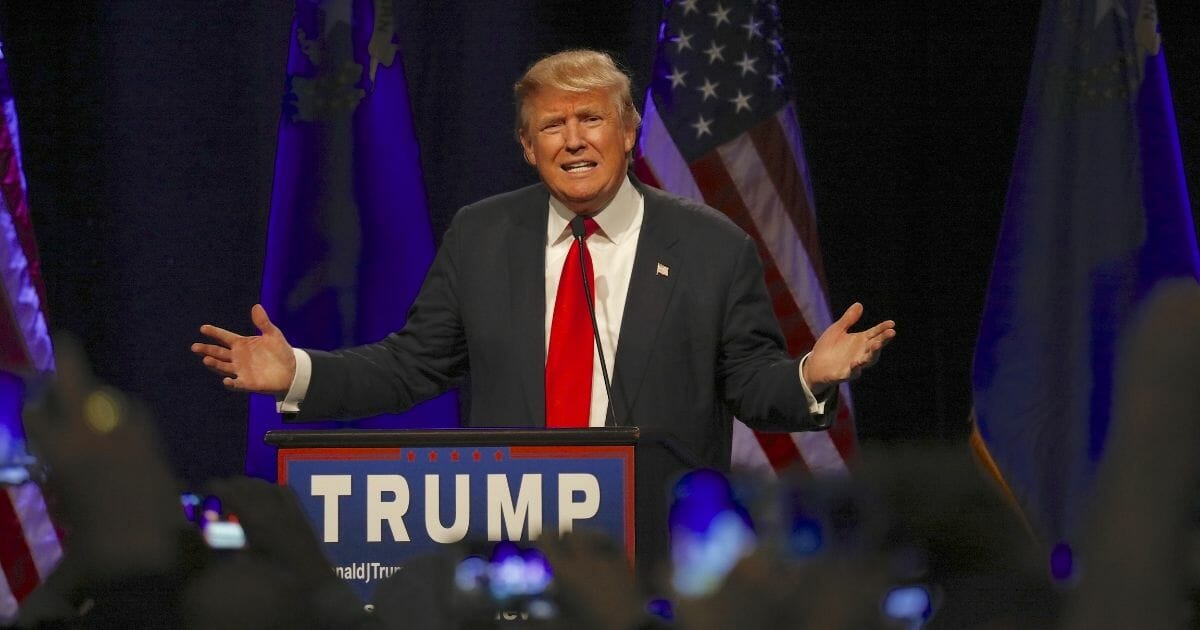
{"x": 840, "y": 355}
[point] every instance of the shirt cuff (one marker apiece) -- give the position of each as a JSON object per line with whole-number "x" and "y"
{"x": 295, "y": 395}
{"x": 815, "y": 407}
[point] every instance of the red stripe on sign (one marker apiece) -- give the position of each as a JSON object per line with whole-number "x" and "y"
{"x": 570, "y": 452}
{"x": 15, "y": 557}
{"x": 288, "y": 455}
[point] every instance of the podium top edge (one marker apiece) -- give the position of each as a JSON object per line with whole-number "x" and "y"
{"x": 334, "y": 438}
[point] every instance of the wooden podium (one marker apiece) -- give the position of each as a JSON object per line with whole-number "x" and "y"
{"x": 379, "y": 497}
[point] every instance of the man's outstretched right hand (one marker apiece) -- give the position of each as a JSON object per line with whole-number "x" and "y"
{"x": 263, "y": 364}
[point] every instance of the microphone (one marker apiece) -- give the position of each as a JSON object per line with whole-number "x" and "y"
{"x": 578, "y": 231}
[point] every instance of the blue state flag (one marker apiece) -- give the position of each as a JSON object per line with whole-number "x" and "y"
{"x": 349, "y": 239}
{"x": 1097, "y": 215}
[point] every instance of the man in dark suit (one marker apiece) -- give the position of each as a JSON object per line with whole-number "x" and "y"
{"x": 682, "y": 312}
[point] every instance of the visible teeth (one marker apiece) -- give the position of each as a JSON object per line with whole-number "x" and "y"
{"x": 578, "y": 166}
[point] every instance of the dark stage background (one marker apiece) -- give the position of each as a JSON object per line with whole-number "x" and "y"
{"x": 148, "y": 130}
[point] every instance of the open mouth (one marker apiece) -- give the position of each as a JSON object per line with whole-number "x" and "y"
{"x": 581, "y": 166}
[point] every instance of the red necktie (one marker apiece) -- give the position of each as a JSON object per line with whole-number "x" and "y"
{"x": 569, "y": 361}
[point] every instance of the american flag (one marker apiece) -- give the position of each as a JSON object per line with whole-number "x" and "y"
{"x": 720, "y": 127}
{"x": 29, "y": 543}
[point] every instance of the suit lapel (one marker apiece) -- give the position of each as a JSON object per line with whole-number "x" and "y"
{"x": 527, "y": 279}
{"x": 655, "y": 274}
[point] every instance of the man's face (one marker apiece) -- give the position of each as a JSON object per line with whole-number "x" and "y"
{"x": 579, "y": 144}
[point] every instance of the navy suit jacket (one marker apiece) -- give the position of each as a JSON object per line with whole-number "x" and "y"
{"x": 697, "y": 345}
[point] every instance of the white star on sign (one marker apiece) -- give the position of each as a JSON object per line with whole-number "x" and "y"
{"x": 720, "y": 15}
{"x": 709, "y": 90}
{"x": 676, "y": 78}
{"x": 747, "y": 64}
{"x": 752, "y": 28}
{"x": 714, "y": 52}
{"x": 742, "y": 101}
{"x": 683, "y": 40}
{"x": 688, "y": 6}
{"x": 701, "y": 127}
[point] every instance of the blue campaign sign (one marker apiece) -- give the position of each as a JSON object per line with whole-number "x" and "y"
{"x": 375, "y": 508}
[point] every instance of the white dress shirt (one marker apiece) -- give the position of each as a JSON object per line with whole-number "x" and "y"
{"x": 612, "y": 248}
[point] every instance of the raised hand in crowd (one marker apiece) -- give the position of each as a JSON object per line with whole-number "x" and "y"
{"x": 129, "y": 548}
{"x": 281, "y": 579}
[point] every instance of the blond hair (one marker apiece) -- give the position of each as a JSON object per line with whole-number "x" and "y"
{"x": 580, "y": 71}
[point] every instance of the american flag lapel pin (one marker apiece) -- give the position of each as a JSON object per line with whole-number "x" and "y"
{"x": 663, "y": 270}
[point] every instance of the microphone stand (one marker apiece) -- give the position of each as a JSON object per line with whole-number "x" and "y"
{"x": 579, "y": 232}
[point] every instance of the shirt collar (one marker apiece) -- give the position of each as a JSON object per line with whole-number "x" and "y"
{"x": 615, "y": 219}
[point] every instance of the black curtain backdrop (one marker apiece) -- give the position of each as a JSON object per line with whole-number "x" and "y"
{"x": 148, "y": 130}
